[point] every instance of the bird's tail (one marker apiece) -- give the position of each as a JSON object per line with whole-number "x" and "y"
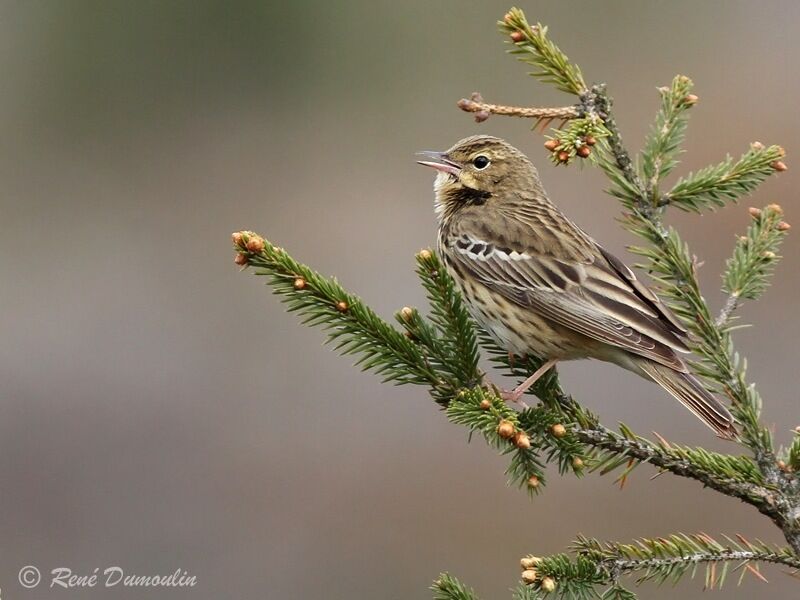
{"x": 691, "y": 393}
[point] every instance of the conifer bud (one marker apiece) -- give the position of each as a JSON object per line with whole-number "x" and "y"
{"x": 690, "y": 100}
{"x": 255, "y": 244}
{"x": 768, "y": 255}
{"x": 522, "y": 441}
{"x": 584, "y": 151}
{"x": 744, "y": 239}
{"x": 784, "y": 226}
{"x": 548, "y": 584}
{"x": 533, "y": 482}
{"x": 754, "y": 212}
{"x": 505, "y": 429}
{"x": 517, "y": 36}
{"x": 507, "y": 18}
{"x": 299, "y": 283}
{"x": 551, "y": 145}
{"x": 482, "y": 115}
{"x": 577, "y": 463}
{"x": 406, "y": 313}
{"x": 465, "y": 104}
{"x": 558, "y": 430}
{"x": 781, "y": 465}
{"x": 485, "y": 404}
{"x": 425, "y": 254}
{"x": 240, "y": 259}
{"x": 341, "y": 306}
{"x": 236, "y": 236}
{"x": 758, "y": 146}
{"x": 590, "y": 140}
{"x": 779, "y": 165}
{"x": 775, "y": 208}
{"x": 563, "y": 156}
{"x": 529, "y": 562}
{"x": 529, "y": 576}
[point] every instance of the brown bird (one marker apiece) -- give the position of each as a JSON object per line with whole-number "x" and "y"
{"x": 541, "y": 286}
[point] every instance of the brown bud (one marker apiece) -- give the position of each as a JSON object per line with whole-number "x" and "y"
{"x": 548, "y": 584}
{"x": 485, "y": 404}
{"x": 590, "y": 140}
{"x": 529, "y": 562}
{"x": 465, "y": 104}
{"x": 482, "y": 115}
{"x": 237, "y": 238}
{"x": 517, "y": 36}
{"x": 558, "y": 430}
{"x": 690, "y": 100}
{"x": 299, "y": 283}
{"x": 522, "y": 441}
{"x": 240, "y": 259}
{"x": 406, "y": 313}
{"x": 775, "y": 208}
{"x": 533, "y": 482}
{"x": 529, "y": 576}
{"x": 779, "y": 165}
{"x": 563, "y": 156}
{"x": 505, "y": 429}
{"x": 584, "y": 151}
{"x": 341, "y": 306}
{"x": 757, "y": 146}
{"x": 754, "y": 212}
{"x": 551, "y": 145}
{"x": 768, "y": 255}
{"x": 784, "y": 226}
{"x": 577, "y": 463}
{"x": 425, "y": 254}
{"x": 255, "y": 244}
{"x": 507, "y": 17}
{"x": 781, "y": 465}
{"x": 797, "y": 429}
{"x": 743, "y": 239}
{"x": 781, "y": 151}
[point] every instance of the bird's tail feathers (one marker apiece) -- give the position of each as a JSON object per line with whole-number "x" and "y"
{"x": 691, "y": 393}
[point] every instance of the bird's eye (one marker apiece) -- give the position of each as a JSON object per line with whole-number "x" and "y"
{"x": 480, "y": 162}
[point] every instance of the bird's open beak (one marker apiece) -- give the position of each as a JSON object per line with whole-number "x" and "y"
{"x": 442, "y": 164}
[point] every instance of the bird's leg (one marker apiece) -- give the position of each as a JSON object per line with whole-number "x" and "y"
{"x": 515, "y": 394}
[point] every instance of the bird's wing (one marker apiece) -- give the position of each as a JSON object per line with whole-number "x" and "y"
{"x": 590, "y": 292}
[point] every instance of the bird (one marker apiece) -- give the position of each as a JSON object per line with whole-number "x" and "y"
{"x": 541, "y": 286}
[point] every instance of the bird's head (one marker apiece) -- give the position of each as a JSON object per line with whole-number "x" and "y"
{"x": 477, "y": 170}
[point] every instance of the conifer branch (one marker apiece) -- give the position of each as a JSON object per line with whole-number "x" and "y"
{"x": 593, "y": 564}
{"x": 441, "y": 351}
{"x": 531, "y": 45}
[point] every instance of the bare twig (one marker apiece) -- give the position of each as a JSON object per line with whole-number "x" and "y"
{"x": 482, "y": 110}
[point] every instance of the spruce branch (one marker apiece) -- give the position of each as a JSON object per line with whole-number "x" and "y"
{"x": 593, "y": 564}
{"x": 447, "y": 587}
{"x": 531, "y": 45}
{"x": 754, "y": 258}
{"x": 663, "y": 145}
{"x": 441, "y": 350}
{"x": 714, "y": 186}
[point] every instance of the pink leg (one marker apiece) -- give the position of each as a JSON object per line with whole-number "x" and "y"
{"x": 516, "y": 393}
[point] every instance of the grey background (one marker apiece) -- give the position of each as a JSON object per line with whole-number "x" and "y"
{"x": 160, "y": 411}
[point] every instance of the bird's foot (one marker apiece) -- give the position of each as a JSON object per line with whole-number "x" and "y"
{"x": 514, "y": 396}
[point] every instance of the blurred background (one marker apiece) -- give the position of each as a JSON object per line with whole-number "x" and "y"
{"x": 160, "y": 411}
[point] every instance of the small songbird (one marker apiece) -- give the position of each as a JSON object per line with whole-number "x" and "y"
{"x": 541, "y": 286}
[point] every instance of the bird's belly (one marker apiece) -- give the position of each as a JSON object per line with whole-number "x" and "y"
{"x": 520, "y": 330}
